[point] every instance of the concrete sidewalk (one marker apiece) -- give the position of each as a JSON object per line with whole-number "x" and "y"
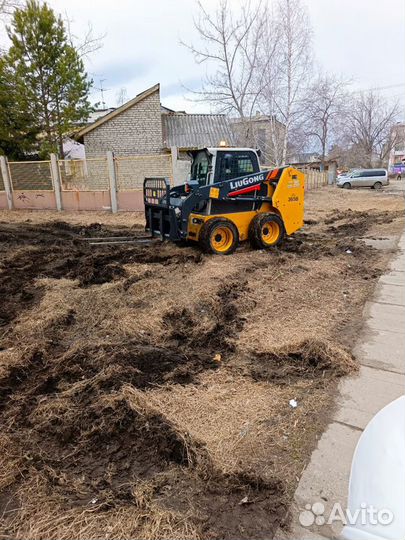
{"x": 381, "y": 353}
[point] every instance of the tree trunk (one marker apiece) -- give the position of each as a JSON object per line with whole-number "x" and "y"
{"x": 60, "y": 146}
{"x": 60, "y": 136}
{"x": 285, "y": 141}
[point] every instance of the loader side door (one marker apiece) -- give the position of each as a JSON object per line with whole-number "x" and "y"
{"x": 230, "y": 164}
{"x": 234, "y": 164}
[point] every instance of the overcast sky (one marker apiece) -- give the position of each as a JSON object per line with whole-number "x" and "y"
{"x": 363, "y": 40}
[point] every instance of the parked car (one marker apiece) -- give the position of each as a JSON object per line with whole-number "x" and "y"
{"x": 343, "y": 174}
{"x": 372, "y": 178}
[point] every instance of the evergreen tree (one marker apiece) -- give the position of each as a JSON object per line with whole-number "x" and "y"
{"x": 18, "y": 133}
{"x": 48, "y": 74}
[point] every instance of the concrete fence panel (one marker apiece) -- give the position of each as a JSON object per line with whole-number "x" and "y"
{"x": 30, "y": 175}
{"x": 84, "y": 174}
{"x": 86, "y": 200}
{"x": 130, "y": 201}
{"x": 34, "y": 200}
{"x": 3, "y": 201}
{"x": 105, "y": 183}
{"x": 132, "y": 170}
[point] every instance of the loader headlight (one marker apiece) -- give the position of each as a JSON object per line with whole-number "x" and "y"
{"x": 177, "y": 211}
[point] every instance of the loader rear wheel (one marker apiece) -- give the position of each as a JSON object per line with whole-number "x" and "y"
{"x": 266, "y": 231}
{"x": 219, "y": 236}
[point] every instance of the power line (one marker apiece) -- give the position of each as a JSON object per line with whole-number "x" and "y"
{"x": 379, "y": 88}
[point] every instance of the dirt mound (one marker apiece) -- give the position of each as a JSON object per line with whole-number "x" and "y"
{"x": 97, "y": 369}
{"x": 56, "y": 250}
{"x": 309, "y": 359}
{"x": 213, "y": 326}
{"x": 59, "y": 231}
{"x": 340, "y": 231}
{"x": 358, "y": 222}
{"x": 230, "y": 506}
{"x": 140, "y": 365}
{"x": 102, "y": 447}
{"x": 99, "y": 449}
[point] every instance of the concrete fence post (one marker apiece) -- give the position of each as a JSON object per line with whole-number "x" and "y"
{"x": 56, "y": 181}
{"x": 175, "y": 157}
{"x": 113, "y": 182}
{"x": 7, "y": 182}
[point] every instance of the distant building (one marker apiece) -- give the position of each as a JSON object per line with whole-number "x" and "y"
{"x": 73, "y": 149}
{"x": 263, "y": 132}
{"x": 396, "y": 160}
{"x": 99, "y": 113}
{"x": 305, "y": 158}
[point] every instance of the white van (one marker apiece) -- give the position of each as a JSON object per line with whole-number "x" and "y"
{"x": 372, "y": 178}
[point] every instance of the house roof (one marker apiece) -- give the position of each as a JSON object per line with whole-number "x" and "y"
{"x": 98, "y": 113}
{"x": 257, "y": 118}
{"x": 117, "y": 111}
{"x": 195, "y": 130}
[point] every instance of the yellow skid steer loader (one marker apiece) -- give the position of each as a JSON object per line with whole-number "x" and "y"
{"x": 227, "y": 200}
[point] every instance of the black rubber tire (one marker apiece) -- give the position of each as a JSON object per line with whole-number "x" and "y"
{"x": 347, "y": 185}
{"x": 255, "y": 231}
{"x": 377, "y": 185}
{"x": 208, "y": 231}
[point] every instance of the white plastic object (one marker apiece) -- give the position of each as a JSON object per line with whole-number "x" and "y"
{"x": 377, "y": 478}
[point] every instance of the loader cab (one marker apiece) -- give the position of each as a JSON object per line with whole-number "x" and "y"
{"x": 212, "y": 165}
{"x": 201, "y": 168}
{"x": 235, "y": 163}
{"x": 215, "y": 165}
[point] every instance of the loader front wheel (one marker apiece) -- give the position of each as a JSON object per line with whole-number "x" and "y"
{"x": 266, "y": 231}
{"x": 219, "y": 236}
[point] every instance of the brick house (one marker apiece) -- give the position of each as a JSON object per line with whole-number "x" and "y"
{"x": 143, "y": 127}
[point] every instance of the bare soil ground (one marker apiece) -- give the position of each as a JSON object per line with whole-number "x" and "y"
{"x": 144, "y": 391}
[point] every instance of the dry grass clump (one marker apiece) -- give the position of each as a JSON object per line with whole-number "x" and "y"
{"x": 10, "y": 462}
{"x": 248, "y": 425}
{"x": 43, "y": 514}
{"x": 307, "y": 359}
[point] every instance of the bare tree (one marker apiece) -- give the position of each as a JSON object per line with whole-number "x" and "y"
{"x": 294, "y": 60}
{"x": 84, "y": 45}
{"x": 267, "y": 77}
{"x": 260, "y": 61}
{"x": 7, "y": 7}
{"x": 88, "y": 43}
{"x": 232, "y": 45}
{"x": 325, "y": 110}
{"x": 121, "y": 96}
{"x": 369, "y": 126}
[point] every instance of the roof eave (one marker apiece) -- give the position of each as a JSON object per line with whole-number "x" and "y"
{"x": 80, "y": 134}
